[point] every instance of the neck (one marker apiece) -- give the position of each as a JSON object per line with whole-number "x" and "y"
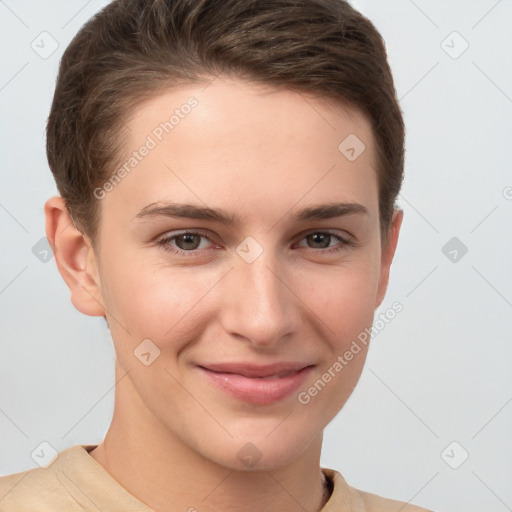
{"x": 169, "y": 476}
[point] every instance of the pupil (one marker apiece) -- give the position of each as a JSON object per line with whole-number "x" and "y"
{"x": 188, "y": 239}
{"x": 321, "y": 238}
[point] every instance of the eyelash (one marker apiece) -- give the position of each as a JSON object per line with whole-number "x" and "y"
{"x": 166, "y": 241}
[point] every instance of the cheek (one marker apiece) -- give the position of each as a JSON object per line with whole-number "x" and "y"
{"x": 344, "y": 303}
{"x": 154, "y": 301}
{"x": 342, "y": 297}
{"x": 168, "y": 305}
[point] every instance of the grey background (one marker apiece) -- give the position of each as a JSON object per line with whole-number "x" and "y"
{"x": 438, "y": 373}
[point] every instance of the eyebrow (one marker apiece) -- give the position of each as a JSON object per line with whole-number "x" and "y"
{"x": 190, "y": 211}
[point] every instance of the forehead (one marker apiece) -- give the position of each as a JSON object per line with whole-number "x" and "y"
{"x": 239, "y": 142}
{"x": 238, "y": 107}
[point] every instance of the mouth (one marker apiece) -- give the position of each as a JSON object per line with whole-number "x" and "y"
{"x": 254, "y": 384}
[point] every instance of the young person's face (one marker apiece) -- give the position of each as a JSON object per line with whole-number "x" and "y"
{"x": 269, "y": 294}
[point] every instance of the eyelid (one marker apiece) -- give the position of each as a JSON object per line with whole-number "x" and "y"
{"x": 334, "y": 232}
{"x": 172, "y": 235}
{"x": 344, "y": 241}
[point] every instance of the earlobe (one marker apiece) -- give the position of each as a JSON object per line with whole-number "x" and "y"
{"x": 388, "y": 253}
{"x": 75, "y": 258}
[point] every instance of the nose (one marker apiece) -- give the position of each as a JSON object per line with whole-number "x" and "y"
{"x": 259, "y": 303}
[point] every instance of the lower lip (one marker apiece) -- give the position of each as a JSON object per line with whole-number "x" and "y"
{"x": 257, "y": 391}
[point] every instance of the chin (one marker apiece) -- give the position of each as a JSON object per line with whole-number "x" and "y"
{"x": 261, "y": 451}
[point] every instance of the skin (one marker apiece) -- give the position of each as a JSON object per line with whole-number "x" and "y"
{"x": 262, "y": 154}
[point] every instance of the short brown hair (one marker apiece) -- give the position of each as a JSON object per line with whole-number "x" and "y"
{"x": 133, "y": 49}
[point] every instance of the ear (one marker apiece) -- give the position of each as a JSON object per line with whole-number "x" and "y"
{"x": 75, "y": 258}
{"x": 388, "y": 252}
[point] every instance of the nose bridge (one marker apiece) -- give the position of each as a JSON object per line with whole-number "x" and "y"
{"x": 266, "y": 290}
{"x": 263, "y": 309}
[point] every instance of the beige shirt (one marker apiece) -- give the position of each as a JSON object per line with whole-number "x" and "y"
{"x": 76, "y": 482}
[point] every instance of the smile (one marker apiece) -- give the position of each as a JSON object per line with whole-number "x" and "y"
{"x": 260, "y": 385}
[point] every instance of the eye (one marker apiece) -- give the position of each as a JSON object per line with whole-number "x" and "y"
{"x": 185, "y": 243}
{"x": 191, "y": 243}
{"x": 323, "y": 239}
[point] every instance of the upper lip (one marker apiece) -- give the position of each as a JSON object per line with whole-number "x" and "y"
{"x": 254, "y": 371}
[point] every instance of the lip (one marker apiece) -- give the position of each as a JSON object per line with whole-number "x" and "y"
{"x": 256, "y": 384}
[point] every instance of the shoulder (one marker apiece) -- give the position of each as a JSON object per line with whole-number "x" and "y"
{"x": 345, "y": 497}
{"x": 374, "y": 503}
{"x": 33, "y": 490}
{"x": 37, "y": 489}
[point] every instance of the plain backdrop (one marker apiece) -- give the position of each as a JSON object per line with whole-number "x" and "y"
{"x": 430, "y": 420}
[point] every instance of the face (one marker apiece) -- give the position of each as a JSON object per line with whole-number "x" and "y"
{"x": 239, "y": 257}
